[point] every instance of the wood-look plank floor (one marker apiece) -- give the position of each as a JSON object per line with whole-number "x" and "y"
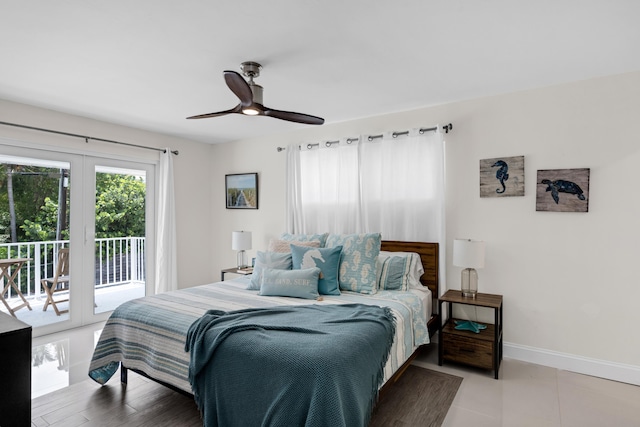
{"x": 141, "y": 403}
{"x": 421, "y": 397}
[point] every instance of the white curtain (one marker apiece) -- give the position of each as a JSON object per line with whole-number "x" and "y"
{"x": 402, "y": 184}
{"x": 166, "y": 265}
{"x": 394, "y": 186}
{"x": 294, "y": 217}
{"x": 327, "y": 182}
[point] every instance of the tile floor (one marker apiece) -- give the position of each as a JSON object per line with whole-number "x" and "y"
{"x": 525, "y": 395}
{"x": 536, "y": 396}
{"x": 62, "y": 359}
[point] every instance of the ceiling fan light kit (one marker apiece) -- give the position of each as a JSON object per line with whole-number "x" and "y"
{"x": 250, "y": 111}
{"x": 250, "y": 96}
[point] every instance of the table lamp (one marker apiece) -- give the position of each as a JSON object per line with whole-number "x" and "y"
{"x": 469, "y": 254}
{"x": 241, "y": 241}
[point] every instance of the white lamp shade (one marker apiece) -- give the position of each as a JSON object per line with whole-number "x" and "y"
{"x": 240, "y": 240}
{"x": 468, "y": 253}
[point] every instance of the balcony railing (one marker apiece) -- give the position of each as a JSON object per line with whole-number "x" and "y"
{"x": 118, "y": 260}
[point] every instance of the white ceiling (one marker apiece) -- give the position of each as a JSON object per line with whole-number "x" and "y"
{"x": 151, "y": 63}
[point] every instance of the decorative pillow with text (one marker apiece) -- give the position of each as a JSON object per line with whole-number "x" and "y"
{"x": 290, "y": 283}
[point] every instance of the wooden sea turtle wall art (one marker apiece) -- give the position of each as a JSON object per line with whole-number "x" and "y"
{"x": 563, "y": 190}
{"x": 502, "y": 177}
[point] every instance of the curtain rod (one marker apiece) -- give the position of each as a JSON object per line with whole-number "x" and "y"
{"x": 87, "y": 138}
{"x": 445, "y": 128}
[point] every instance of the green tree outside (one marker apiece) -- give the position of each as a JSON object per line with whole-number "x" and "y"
{"x": 120, "y": 204}
{"x": 30, "y": 186}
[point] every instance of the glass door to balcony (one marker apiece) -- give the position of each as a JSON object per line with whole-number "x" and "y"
{"x": 35, "y": 212}
{"x": 120, "y": 235}
{"x": 119, "y": 227}
{"x": 75, "y": 236}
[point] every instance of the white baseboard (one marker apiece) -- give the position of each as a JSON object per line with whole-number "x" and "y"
{"x": 569, "y": 362}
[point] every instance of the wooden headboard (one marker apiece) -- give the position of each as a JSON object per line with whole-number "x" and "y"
{"x": 430, "y": 262}
{"x": 428, "y": 254}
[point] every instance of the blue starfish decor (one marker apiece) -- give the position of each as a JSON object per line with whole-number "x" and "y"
{"x": 469, "y": 325}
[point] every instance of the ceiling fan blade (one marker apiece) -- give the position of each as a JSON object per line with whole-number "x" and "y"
{"x": 236, "y": 109}
{"x": 239, "y": 87}
{"x": 293, "y": 117}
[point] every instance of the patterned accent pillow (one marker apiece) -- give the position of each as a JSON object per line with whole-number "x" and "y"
{"x": 275, "y": 260}
{"x": 322, "y": 238}
{"x": 290, "y": 283}
{"x": 399, "y": 270}
{"x": 358, "y": 261}
{"x": 326, "y": 259}
{"x": 284, "y": 246}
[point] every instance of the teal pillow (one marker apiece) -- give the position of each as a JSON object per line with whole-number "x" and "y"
{"x": 290, "y": 283}
{"x": 400, "y": 270}
{"x": 275, "y": 260}
{"x": 322, "y": 238}
{"x": 326, "y": 259}
{"x": 392, "y": 275}
{"x": 358, "y": 261}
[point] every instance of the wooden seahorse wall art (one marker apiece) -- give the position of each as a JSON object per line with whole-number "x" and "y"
{"x": 502, "y": 177}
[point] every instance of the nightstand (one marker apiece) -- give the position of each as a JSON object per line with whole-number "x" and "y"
{"x": 482, "y": 350}
{"x": 235, "y": 270}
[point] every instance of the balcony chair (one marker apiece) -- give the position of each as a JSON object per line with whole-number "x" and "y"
{"x": 58, "y": 283}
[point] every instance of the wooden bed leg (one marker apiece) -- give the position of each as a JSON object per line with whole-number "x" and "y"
{"x": 123, "y": 374}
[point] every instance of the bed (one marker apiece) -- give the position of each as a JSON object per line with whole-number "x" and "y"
{"x": 149, "y": 336}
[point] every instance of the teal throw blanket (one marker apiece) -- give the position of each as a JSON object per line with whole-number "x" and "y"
{"x": 312, "y": 365}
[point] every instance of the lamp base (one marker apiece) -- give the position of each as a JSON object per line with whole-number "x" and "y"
{"x": 240, "y": 260}
{"x": 469, "y": 282}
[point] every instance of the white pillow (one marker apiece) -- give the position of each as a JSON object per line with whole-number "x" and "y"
{"x": 283, "y": 246}
{"x": 322, "y": 238}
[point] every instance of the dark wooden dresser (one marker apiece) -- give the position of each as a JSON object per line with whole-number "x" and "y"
{"x": 15, "y": 372}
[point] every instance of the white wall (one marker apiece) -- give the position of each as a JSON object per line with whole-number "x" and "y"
{"x": 191, "y": 168}
{"x": 567, "y": 278}
{"x": 570, "y": 294}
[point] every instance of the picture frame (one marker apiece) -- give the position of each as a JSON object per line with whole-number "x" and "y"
{"x": 563, "y": 190}
{"x": 502, "y": 177}
{"x": 241, "y": 190}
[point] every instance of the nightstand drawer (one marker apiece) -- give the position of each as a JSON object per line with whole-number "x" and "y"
{"x": 468, "y": 350}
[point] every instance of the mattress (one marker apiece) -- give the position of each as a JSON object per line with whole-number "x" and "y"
{"x": 427, "y": 301}
{"x": 149, "y": 334}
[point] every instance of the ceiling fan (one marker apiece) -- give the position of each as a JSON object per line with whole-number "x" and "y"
{"x": 250, "y": 96}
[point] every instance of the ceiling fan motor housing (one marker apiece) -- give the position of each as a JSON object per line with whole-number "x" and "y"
{"x": 252, "y": 70}
{"x": 257, "y": 93}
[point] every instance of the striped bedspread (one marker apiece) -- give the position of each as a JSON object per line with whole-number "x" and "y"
{"x": 149, "y": 334}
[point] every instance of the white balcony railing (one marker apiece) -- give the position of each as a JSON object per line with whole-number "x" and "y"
{"x": 118, "y": 260}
